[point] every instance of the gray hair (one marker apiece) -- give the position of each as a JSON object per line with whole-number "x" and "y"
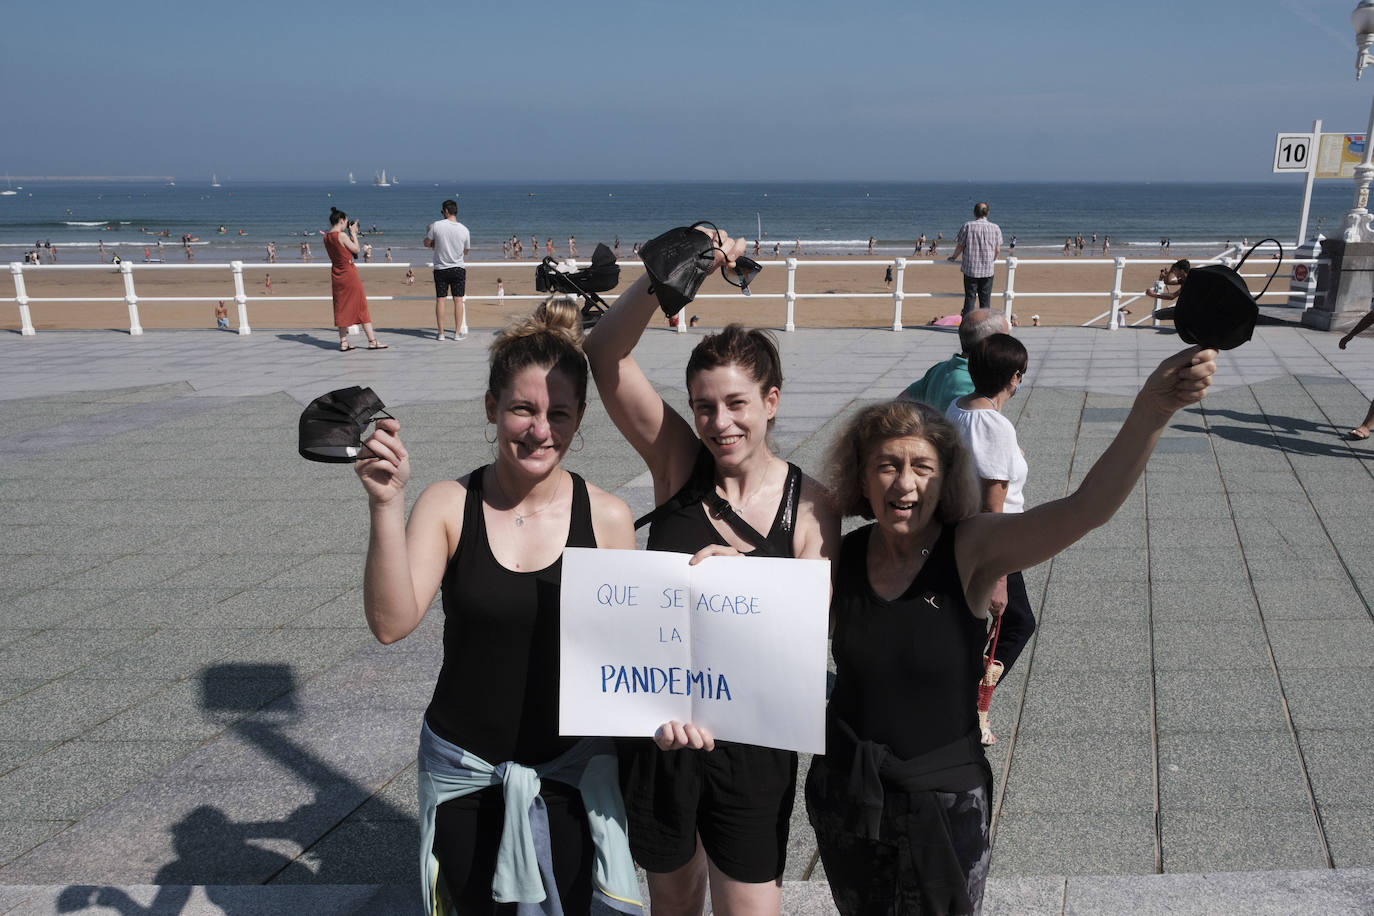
{"x": 977, "y": 326}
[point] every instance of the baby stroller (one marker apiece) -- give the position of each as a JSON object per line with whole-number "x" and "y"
{"x": 602, "y": 275}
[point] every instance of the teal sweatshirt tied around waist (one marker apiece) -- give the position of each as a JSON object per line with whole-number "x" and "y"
{"x": 524, "y": 862}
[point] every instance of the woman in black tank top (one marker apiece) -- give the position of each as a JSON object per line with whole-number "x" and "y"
{"x": 493, "y": 541}
{"x": 900, "y": 800}
{"x": 719, "y": 489}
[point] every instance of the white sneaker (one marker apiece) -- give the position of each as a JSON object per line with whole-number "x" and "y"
{"x": 439, "y": 336}
{"x": 462, "y": 333}
{"x": 460, "y": 337}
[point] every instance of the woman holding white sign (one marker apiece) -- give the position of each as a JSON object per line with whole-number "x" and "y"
{"x": 900, "y": 800}
{"x": 493, "y": 542}
{"x": 705, "y": 812}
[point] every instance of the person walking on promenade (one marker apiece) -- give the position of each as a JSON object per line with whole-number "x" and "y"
{"x": 1361, "y": 431}
{"x": 1172, "y": 279}
{"x": 979, "y": 242}
{"x": 491, "y": 544}
{"x": 350, "y": 302}
{"x": 901, "y": 799}
{"x": 700, "y": 811}
{"x": 451, "y": 242}
{"x": 998, "y": 366}
{"x": 946, "y": 381}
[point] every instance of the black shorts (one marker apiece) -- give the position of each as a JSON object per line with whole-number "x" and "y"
{"x": 737, "y": 798}
{"x": 454, "y": 279}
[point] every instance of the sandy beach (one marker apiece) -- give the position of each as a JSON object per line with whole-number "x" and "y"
{"x": 158, "y": 290}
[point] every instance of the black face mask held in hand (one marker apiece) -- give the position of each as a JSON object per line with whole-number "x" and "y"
{"x": 333, "y": 425}
{"x": 1215, "y": 308}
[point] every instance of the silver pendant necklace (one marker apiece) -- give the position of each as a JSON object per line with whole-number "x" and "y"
{"x": 520, "y": 519}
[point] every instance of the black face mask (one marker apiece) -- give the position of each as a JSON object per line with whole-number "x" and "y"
{"x": 332, "y": 427}
{"x": 1215, "y": 308}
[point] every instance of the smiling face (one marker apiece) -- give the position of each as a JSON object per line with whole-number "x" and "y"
{"x": 731, "y": 414}
{"x": 902, "y": 481}
{"x": 536, "y": 416}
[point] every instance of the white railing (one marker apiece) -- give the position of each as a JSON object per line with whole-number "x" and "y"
{"x": 790, "y": 296}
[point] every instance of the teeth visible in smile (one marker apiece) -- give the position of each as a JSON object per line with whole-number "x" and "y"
{"x": 728, "y": 440}
{"x": 903, "y": 505}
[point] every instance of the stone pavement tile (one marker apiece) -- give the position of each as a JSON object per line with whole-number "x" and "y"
{"x": 230, "y": 570}
{"x": 1348, "y": 835}
{"x": 1325, "y": 698}
{"x": 169, "y": 655}
{"x": 1193, "y": 700}
{"x": 1165, "y": 503}
{"x": 1109, "y": 840}
{"x": 181, "y": 711}
{"x": 14, "y": 753}
{"x": 262, "y": 607}
{"x": 1332, "y": 644}
{"x": 1209, "y": 644}
{"x": 306, "y": 651}
{"x": 134, "y": 571}
{"x": 324, "y": 571}
{"x": 1039, "y": 780}
{"x": 1024, "y": 896}
{"x": 1319, "y": 563}
{"x": 27, "y": 572}
{"x": 73, "y": 779}
{"x": 1079, "y": 599}
{"x": 65, "y": 708}
{"x": 344, "y": 611}
{"x": 1101, "y": 563}
{"x": 397, "y": 800}
{"x": 1066, "y": 702}
{"x": 1105, "y": 643}
{"x": 358, "y": 684}
{"x": 19, "y": 836}
{"x": 50, "y": 607}
{"x": 1249, "y": 893}
{"x": 1230, "y": 768}
{"x": 150, "y": 608}
{"x": 1190, "y": 562}
{"x": 1224, "y": 839}
{"x": 1271, "y": 507}
{"x": 1187, "y": 602}
{"x": 1304, "y": 598}
{"x": 358, "y": 852}
{"x": 58, "y": 651}
{"x": 1297, "y": 535}
{"x": 1337, "y": 765}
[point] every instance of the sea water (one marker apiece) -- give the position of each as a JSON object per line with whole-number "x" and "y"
{"x": 235, "y": 221}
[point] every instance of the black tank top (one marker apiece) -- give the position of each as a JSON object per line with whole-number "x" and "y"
{"x": 907, "y": 670}
{"x": 684, "y": 528}
{"x": 497, "y": 694}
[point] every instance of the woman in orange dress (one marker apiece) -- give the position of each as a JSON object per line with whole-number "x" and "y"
{"x": 350, "y": 302}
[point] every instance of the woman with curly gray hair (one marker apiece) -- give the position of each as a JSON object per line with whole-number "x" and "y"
{"x": 899, "y": 802}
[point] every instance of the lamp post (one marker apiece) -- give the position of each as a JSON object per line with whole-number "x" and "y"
{"x": 1357, "y": 228}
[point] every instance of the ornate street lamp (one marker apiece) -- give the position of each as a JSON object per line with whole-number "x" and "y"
{"x": 1357, "y": 227}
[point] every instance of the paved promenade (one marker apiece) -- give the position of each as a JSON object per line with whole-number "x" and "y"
{"x": 195, "y": 719}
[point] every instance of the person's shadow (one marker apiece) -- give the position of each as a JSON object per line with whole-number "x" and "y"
{"x": 1285, "y": 434}
{"x": 209, "y": 844}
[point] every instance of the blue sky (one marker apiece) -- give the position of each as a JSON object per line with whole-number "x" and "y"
{"x": 1159, "y": 90}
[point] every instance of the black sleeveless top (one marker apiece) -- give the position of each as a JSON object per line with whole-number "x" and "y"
{"x": 907, "y": 670}
{"x": 497, "y": 694}
{"x": 681, "y": 524}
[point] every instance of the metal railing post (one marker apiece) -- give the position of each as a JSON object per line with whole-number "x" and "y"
{"x": 1114, "y": 319}
{"x": 240, "y": 296}
{"x": 898, "y": 293}
{"x": 681, "y": 320}
{"x": 1154, "y": 310}
{"x": 131, "y": 298}
{"x": 1009, "y": 294}
{"x": 791, "y": 323}
{"x": 21, "y": 297}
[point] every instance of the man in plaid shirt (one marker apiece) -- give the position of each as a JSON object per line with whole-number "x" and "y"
{"x": 979, "y": 242}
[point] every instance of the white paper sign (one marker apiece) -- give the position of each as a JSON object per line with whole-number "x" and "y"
{"x": 735, "y": 644}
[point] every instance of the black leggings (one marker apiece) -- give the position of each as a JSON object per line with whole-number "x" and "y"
{"x": 1018, "y": 623}
{"x": 468, "y": 831}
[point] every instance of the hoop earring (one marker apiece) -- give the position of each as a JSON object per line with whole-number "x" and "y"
{"x": 492, "y": 440}
{"x": 578, "y": 443}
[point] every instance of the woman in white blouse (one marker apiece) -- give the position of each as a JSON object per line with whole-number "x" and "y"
{"x": 997, "y": 365}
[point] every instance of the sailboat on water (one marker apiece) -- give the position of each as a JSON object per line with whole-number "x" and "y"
{"x": 380, "y": 180}
{"x": 9, "y": 189}
{"x": 214, "y": 180}
{"x": 351, "y": 179}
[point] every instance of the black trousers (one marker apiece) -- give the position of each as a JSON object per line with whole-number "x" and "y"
{"x": 1018, "y": 623}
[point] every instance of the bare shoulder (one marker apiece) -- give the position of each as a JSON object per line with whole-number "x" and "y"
{"x": 818, "y": 521}
{"x": 611, "y": 519}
